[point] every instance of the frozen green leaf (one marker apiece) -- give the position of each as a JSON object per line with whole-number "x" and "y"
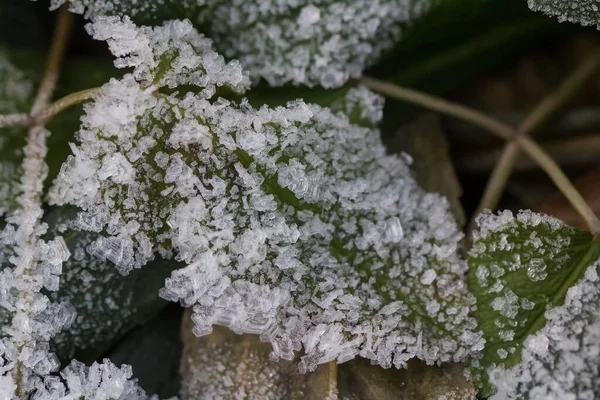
{"x": 528, "y": 273}
{"x": 293, "y": 222}
{"x": 584, "y": 12}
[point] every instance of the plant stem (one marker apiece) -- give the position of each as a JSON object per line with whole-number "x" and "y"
{"x": 12, "y": 120}
{"x": 497, "y": 182}
{"x": 536, "y": 118}
{"x": 46, "y": 113}
{"x": 62, "y": 104}
{"x": 440, "y": 105}
{"x": 28, "y": 217}
{"x": 562, "y": 182}
{"x": 498, "y": 128}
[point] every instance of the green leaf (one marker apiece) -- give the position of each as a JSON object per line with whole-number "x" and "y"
{"x": 519, "y": 267}
{"x": 584, "y": 12}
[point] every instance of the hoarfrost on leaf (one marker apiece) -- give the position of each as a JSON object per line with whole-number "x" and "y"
{"x": 584, "y": 12}
{"x": 531, "y": 275}
{"x": 320, "y": 43}
{"x": 294, "y": 223}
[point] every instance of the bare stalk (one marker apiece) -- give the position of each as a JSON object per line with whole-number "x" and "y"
{"x": 440, "y": 105}
{"x": 536, "y": 118}
{"x": 500, "y": 129}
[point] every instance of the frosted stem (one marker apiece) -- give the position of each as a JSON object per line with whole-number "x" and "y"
{"x": 28, "y": 217}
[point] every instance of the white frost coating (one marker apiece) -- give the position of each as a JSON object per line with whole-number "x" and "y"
{"x": 321, "y": 43}
{"x": 560, "y": 362}
{"x": 170, "y": 55}
{"x": 291, "y": 220}
{"x": 584, "y": 12}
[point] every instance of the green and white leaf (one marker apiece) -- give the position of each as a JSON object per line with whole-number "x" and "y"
{"x": 535, "y": 280}
{"x": 293, "y": 222}
{"x": 584, "y": 12}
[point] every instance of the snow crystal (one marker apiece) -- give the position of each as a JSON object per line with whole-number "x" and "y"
{"x": 289, "y": 220}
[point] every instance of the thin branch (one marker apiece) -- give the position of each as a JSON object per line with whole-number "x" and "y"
{"x": 498, "y": 128}
{"x": 562, "y": 182}
{"x": 578, "y": 151}
{"x": 55, "y": 57}
{"x": 497, "y": 182}
{"x": 567, "y": 90}
{"x": 440, "y": 105}
{"x": 15, "y": 120}
{"x": 540, "y": 114}
{"x": 62, "y": 104}
{"x": 45, "y": 114}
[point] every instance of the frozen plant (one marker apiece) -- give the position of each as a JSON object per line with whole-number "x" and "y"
{"x": 293, "y": 222}
{"x": 30, "y": 264}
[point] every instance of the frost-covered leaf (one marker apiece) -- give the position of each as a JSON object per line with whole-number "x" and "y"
{"x": 535, "y": 282}
{"x": 170, "y": 55}
{"x": 107, "y": 303}
{"x": 359, "y": 380}
{"x": 225, "y": 365}
{"x": 294, "y": 223}
{"x": 16, "y": 95}
{"x": 312, "y": 43}
{"x": 141, "y": 11}
{"x": 584, "y": 12}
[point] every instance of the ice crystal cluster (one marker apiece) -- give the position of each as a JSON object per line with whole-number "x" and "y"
{"x": 303, "y": 42}
{"x": 293, "y": 223}
{"x": 584, "y": 12}
{"x": 536, "y": 284}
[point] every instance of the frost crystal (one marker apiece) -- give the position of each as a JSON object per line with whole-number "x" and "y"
{"x": 312, "y": 43}
{"x": 294, "y": 224}
{"x": 584, "y": 12}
